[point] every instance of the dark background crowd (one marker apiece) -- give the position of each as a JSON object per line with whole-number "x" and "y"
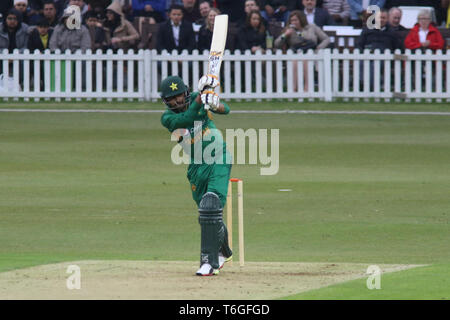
{"x": 188, "y": 24}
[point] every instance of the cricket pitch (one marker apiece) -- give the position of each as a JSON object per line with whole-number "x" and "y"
{"x": 176, "y": 280}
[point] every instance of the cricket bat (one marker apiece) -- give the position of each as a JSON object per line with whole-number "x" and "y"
{"x": 217, "y": 45}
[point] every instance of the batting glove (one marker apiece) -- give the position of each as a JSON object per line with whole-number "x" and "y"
{"x": 210, "y": 99}
{"x": 208, "y": 81}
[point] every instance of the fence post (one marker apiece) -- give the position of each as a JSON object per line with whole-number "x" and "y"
{"x": 147, "y": 75}
{"x": 327, "y": 75}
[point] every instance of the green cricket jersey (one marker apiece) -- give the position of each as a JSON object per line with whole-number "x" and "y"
{"x": 186, "y": 125}
{"x": 203, "y": 177}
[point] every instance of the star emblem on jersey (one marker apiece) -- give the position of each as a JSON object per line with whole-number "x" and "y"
{"x": 174, "y": 86}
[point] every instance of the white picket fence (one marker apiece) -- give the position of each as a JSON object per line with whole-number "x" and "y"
{"x": 323, "y": 75}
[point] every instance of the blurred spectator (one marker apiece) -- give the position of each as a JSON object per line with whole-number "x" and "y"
{"x": 80, "y": 3}
{"x": 206, "y": 31}
{"x": 395, "y": 16}
{"x": 100, "y": 38}
{"x": 176, "y": 34}
{"x": 22, "y": 7}
{"x": 49, "y": 13}
{"x": 339, "y": 10}
{"x": 424, "y": 35}
{"x": 127, "y": 8}
{"x": 358, "y": 10}
{"x": 61, "y": 6}
{"x": 274, "y": 10}
{"x": 318, "y": 16}
{"x": 299, "y": 34}
{"x": 233, "y": 8}
{"x": 204, "y": 6}
{"x": 64, "y": 38}
{"x": 13, "y": 34}
{"x": 39, "y": 38}
{"x": 191, "y": 11}
{"x": 123, "y": 34}
{"x": 383, "y": 38}
{"x": 253, "y": 35}
{"x": 150, "y": 8}
{"x": 249, "y": 6}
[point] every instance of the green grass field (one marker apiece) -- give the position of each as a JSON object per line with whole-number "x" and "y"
{"x": 365, "y": 188}
{"x": 431, "y": 282}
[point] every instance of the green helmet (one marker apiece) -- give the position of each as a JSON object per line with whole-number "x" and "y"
{"x": 173, "y": 86}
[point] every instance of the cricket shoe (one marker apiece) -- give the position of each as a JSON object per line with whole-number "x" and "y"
{"x": 223, "y": 259}
{"x": 207, "y": 270}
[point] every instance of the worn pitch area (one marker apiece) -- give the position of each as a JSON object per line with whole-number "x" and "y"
{"x": 170, "y": 280}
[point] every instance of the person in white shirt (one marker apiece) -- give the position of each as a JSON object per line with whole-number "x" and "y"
{"x": 424, "y": 35}
{"x": 318, "y": 16}
{"x": 176, "y": 34}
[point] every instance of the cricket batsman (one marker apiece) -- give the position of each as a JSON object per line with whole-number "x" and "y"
{"x": 185, "y": 113}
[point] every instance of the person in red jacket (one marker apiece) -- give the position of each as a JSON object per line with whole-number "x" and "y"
{"x": 424, "y": 34}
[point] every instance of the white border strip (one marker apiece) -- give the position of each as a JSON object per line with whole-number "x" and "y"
{"x": 407, "y": 113}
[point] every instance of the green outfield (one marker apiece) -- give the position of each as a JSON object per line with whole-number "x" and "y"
{"x": 430, "y": 282}
{"x": 371, "y": 189}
